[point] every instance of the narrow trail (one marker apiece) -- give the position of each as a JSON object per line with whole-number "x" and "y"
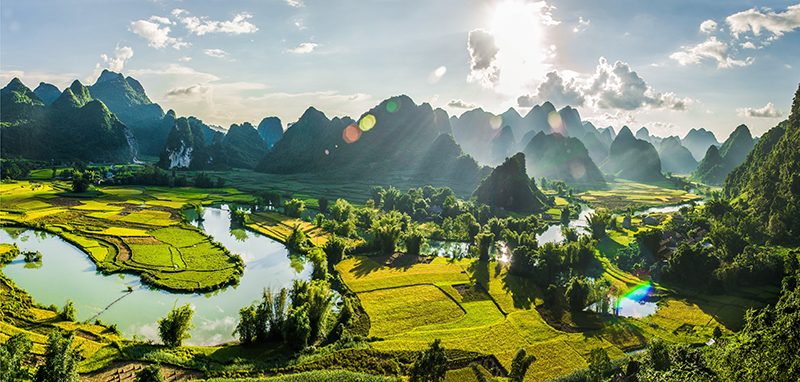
{"x": 109, "y": 305}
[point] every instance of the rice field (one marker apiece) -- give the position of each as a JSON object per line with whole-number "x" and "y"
{"x": 622, "y": 194}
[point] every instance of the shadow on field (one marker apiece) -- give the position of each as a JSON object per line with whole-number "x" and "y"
{"x": 364, "y": 266}
{"x": 523, "y": 291}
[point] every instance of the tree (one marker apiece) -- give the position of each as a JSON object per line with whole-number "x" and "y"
{"x": 13, "y": 355}
{"x": 598, "y": 221}
{"x": 334, "y": 249}
{"x": 342, "y": 211}
{"x": 386, "y": 231}
{"x": 323, "y": 204}
{"x": 484, "y": 241}
{"x": 319, "y": 264}
{"x": 565, "y": 212}
{"x": 60, "y": 359}
{"x": 248, "y": 325}
{"x": 174, "y": 328}
{"x": 658, "y": 355}
{"x": 519, "y": 365}
{"x": 294, "y": 208}
{"x": 414, "y": 239}
{"x": 430, "y": 365}
{"x": 577, "y": 294}
{"x": 599, "y": 363}
{"x": 68, "y": 312}
{"x": 377, "y": 195}
{"x": 297, "y": 328}
{"x": 80, "y": 182}
{"x": 389, "y": 199}
{"x": 151, "y": 373}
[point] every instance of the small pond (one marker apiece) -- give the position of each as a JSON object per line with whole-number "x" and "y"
{"x": 67, "y": 273}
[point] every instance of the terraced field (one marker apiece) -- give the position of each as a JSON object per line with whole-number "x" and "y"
{"x": 130, "y": 229}
{"x": 624, "y": 193}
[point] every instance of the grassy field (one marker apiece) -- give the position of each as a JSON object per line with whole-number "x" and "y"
{"x": 622, "y": 194}
{"x": 130, "y": 229}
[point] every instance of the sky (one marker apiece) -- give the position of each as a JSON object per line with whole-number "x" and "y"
{"x": 669, "y": 66}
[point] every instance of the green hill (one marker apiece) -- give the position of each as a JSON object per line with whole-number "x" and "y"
{"x": 73, "y": 127}
{"x": 270, "y": 130}
{"x": 768, "y": 182}
{"x": 244, "y": 146}
{"x": 676, "y": 158}
{"x": 186, "y": 147}
{"x": 557, "y": 157}
{"x": 47, "y": 92}
{"x": 598, "y": 150}
{"x": 446, "y": 160}
{"x": 698, "y": 141}
{"x": 633, "y": 159}
{"x": 719, "y": 162}
{"x": 509, "y": 187}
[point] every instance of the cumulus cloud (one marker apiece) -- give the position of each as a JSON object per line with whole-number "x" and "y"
{"x": 121, "y": 56}
{"x": 555, "y": 90}
{"x": 306, "y": 47}
{"x": 219, "y": 53}
{"x": 202, "y": 25}
{"x": 582, "y": 24}
{"x": 711, "y": 48}
{"x": 749, "y": 45}
{"x": 483, "y": 53}
{"x": 176, "y": 72}
{"x": 296, "y": 3}
{"x": 619, "y": 118}
{"x": 457, "y": 103}
{"x": 708, "y": 26}
{"x": 768, "y": 111}
{"x": 756, "y": 20}
{"x": 31, "y": 79}
{"x": 619, "y": 87}
{"x": 190, "y": 91}
{"x": 161, "y": 20}
{"x": 156, "y": 35}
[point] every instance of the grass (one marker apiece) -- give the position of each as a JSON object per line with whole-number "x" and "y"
{"x": 397, "y": 310}
{"x": 158, "y": 255}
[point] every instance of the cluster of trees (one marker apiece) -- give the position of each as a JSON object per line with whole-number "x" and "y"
{"x": 550, "y": 263}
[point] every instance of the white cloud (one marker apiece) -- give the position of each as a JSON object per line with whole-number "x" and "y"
{"x": 299, "y": 24}
{"x": 175, "y": 73}
{"x": 219, "y": 53}
{"x": 582, "y": 24}
{"x": 191, "y": 91}
{"x": 162, "y": 20}
{"x": 457, "y": 103}
{"x": 708, "y": 26}
{"x": 122, "y": 55}
{"x": 619, "y": 118}
{"x": 768, "y": 111}
{"x": 306, "y": 47}
{"x": 156, "y": 35}
{"x": 296, "y": 3}
{"x": 711, "y": 48}
{"x": 555, "y": 90}
{"x": 749, "y": 45}
{"x": 619, "y": 87}
{"x": 483, "y": 53}
{"x": 201, "y": 26}
{"x": 185, "y": 58}
{"x": 755, "y": 20}
{"x": 177, "y": 12}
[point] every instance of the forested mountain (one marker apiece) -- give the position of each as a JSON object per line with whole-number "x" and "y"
{"x": 676, "y": 158}
{"x": 698, "y": 141}
{"x": 445, "y": 159}
{"x": 598, "y": 150}
{"x": 270, "y": 130}
{"x": 509, "y": 187}
{"x": 768, "y": 183}
{"x": 186, "y": 147}
{"x": 392, "y": 137}
{"x": 126, "y": 98}
{"x": 503, "y": 145}
{"x": 607, "y": 135}
{"x": 557, "y": 157}
{"x": 244, "y": 146}
{"x": 719, "y": 162}
{"x": 73, "y": 126}
{"x": 632, "y": 159}
{"x": 473, "y": 130}
{"x": 47, "y": 92}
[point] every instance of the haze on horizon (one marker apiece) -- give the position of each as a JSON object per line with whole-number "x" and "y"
{"x": 668, "y": 66}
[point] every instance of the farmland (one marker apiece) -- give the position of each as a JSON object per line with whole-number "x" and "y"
{"x": 130, "y": 230}
{"x": 623, "y": 193}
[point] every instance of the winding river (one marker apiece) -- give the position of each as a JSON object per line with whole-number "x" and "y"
{"x": 67, "y": 273}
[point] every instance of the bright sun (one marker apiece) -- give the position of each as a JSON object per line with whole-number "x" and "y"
{"x": 518, "y": 30}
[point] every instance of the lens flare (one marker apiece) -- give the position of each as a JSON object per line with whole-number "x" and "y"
{"x": 351, "y": 133}
{"x": 437, "y": 75}
{"x": 327, "y": 152}
{"x": 640, "y": 293}
{"x": 556, "y": 124}
{"x": 367, "y": 122}
{"x": 495, "y": 121}
{"x": 577, "y": 170}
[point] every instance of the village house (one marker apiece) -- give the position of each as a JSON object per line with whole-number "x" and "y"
{"x": 626, "y": 222}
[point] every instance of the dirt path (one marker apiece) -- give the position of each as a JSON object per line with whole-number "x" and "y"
{"x": 125, "y": 371}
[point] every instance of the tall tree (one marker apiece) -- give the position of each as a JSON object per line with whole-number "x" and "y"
{"x": 174, "y": 328}
{"x": 519, "y": 365}
{"x": 60, "y": 359}
{"x": 430, "y": 365}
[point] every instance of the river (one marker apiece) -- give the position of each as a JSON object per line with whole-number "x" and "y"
{"x": 67, "y": 273}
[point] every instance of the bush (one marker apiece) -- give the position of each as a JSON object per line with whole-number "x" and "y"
{"x": 174, "y": 328}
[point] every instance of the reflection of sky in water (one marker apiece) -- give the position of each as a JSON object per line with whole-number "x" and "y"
{"x": 67, "y": 273}
{"x": 634, "y": 303}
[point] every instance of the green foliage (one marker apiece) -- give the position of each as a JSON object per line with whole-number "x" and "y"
{"x": 691, "y": 266}
{"x": 297, "y": 240}
{"x": 599, "y": 363}
{"x": 509, "y": 187}
{"x": 334, "y": 249}
{"x": 577, "y": 294}
{"x": 68, "y": 311}
{"x": 174, "y": 328}
{"x": 14, "y": 357}
{"x": 297, "y": 328}
{"x": 598, "y": 221}
{"x": 484, "y": 241}
{"x": 386, "y": 232}
{"x": 319, "y": 264}
{"x": 80, "y": 182}
{"x": 342, "y": 211}
{"x": 248, "y": 325}
{"x": 430, "y": 365}
{"x": 414, "y": 239}
{"x": 314, "y": 301}
{"x": 294, "y": 208}
{"x": 150, "y": 373}
{"x": 60, "y": 360}
{"x": 322, "y": 202}
{"x": 658, "y": 355}
{"x": 650, "y": 240}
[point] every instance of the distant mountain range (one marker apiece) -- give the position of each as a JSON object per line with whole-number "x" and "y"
{"x": 633, "y": 159}
{"x": 717, "y": 163}
{"x": 555, "y": 156}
